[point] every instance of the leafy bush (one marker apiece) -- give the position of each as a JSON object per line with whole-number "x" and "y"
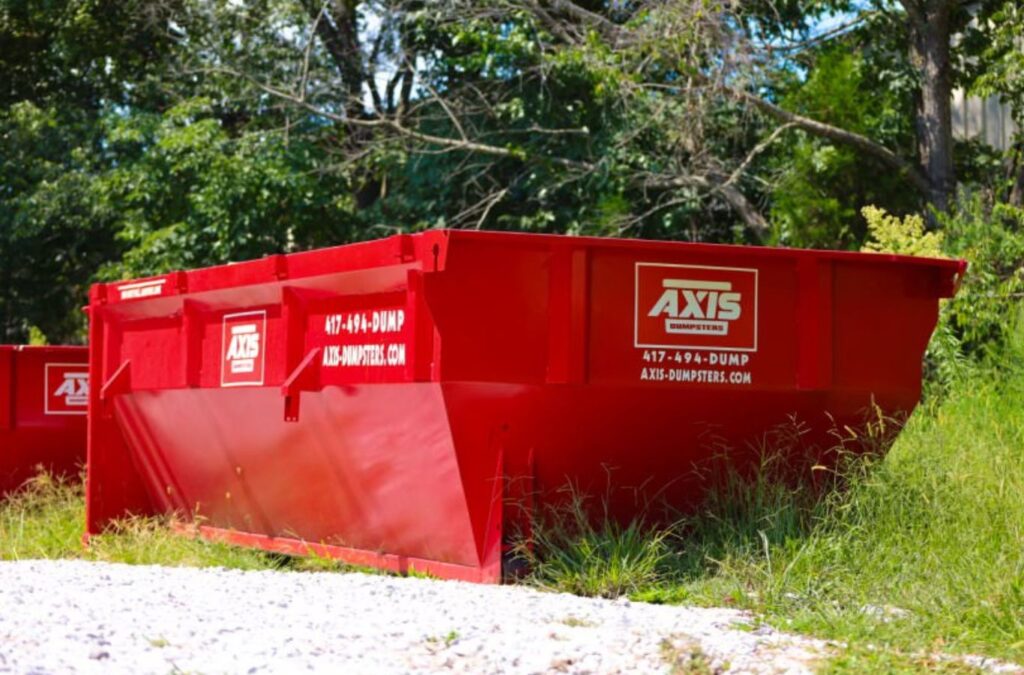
{"x": 890, "y": 234}
{"x": 975, "y": 326}
{"x": 990, "y": 237}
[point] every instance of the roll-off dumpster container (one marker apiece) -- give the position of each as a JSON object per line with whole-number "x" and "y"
{"x": 44, "y": 395}
{"x": 383, "y": 402}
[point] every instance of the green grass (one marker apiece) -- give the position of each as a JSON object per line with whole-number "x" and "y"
{"x": 569, "y": 551}
{"x": 861, "y": 659}
{"x": 924, "y": 551}
{"x": 919, "y": 553}
{"x": 45, "y": 520}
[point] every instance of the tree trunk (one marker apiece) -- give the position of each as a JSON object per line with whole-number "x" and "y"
{"x": 930, "y": 54}
{"x": 1016, "y": 197}
{"x": 339, "y": 32}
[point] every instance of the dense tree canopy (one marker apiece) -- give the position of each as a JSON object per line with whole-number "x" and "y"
{"x": 144, "y": 135}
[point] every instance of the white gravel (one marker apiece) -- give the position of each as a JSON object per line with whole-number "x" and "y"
{"x": 82, "y": 617}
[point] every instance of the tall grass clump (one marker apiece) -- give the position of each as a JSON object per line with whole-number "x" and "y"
{"x": 921, "y": 550}
{"x": 572, "y": 547}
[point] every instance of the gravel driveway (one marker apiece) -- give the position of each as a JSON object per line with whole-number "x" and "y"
{"x": 74, "y": 616}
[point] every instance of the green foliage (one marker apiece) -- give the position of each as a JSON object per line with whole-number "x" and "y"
{"x": 53, "y": 232}
{"x": 1002, "y": 59}
{"x": 820, "y": 186}
{"x": 991, "y": 238}
{"x": 137, "y": 137}
{"x": 890, "y": 234}
{"x": 63, "y": 62}
{"x": 189, "y": 194}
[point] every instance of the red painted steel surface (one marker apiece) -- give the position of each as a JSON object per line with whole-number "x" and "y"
{"x": 385, "y": 402}
{"x": 43, "y": 402}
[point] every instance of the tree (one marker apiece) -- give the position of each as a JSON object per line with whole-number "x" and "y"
{"x": 62, "y": 64}
{"x": 684, "y": 61}
{"x": 148, "y": 135}
{"x": 999, "y": 71}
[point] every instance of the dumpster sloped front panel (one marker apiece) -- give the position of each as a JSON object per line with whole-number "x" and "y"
{"x": 43, "y": 404}
{"x": 398, "y": 403}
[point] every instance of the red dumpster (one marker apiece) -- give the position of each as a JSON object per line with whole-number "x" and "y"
{"x": 43, "y": 400}
{"x": 377, "y": 402}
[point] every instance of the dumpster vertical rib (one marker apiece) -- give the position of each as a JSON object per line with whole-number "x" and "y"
{"x": 567, "y": 315}
{"x": 423, "y": 365}
{"x": 293, "y": 315}
{"x": 6, "y": 388}
{"x": 815, "y": 342}
{"x": 192, "y": 332}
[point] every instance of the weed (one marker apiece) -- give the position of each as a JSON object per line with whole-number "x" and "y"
{"x": 684, "y": 656}
{"x": 447, "y": 640}
{"x": 569, "y": 550}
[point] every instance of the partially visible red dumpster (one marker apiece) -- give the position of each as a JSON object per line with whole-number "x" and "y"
{"x": 383, "y": 402}
{"x": 44, "y": 394}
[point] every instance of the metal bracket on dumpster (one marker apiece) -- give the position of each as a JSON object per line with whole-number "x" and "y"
{"x": 118, "y": 383}
{"x": 305, "y": 377}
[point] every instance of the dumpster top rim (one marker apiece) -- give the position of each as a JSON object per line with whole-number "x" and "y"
{"x": 755, "y": 249}
{"x": 43, "y": 348}
{"x": 951, "y": 265}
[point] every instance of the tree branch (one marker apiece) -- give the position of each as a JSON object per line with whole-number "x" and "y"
{"x": 833, "y": 133}
{"x": 758, "y": 149}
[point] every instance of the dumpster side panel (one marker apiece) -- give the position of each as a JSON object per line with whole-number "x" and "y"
{"x": 248, "y": 407}
{"x": 6, "y": 389}
{"x": 43, "y": 403}
{"x": 336, "y": 477}
{"x": 680, "y": 318}
{"x": 410, "y": 402}
{"x": 491, "y": 309}
{"x": 646, "y": 416}
{"x": 884, "y": 318}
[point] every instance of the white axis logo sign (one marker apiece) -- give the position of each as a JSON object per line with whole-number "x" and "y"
{"x": 708, "y": 307}
{"x": 67, "y": 389}
{"x": 703, "y": 307}
{"x": 244, "y": 349}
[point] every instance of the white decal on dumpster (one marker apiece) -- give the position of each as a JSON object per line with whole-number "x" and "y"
{"x": 695, "y": 307}
{"x": 141, "y": 289}
{"x": 243, "y": 349}
{"x": 389, "y": 354}
{"x": 377, "y": 339}
{"x": 67, "y": 389}
{"x": 697, "y": 367}
{"x": 365, "y": 323}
